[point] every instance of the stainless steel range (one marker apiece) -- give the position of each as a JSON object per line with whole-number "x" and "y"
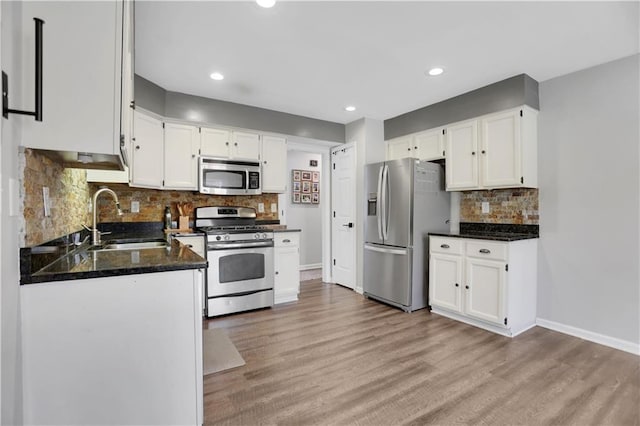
{"x": 240, "y": 255}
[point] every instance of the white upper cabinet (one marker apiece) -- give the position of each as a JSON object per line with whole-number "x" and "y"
{"x": 230, "y": 144}
{"x": 181, "y": 145}
{"x": 461, "y": 155}
{"x": 274, "y": 164}
{"x": 502, "y": 155}
{"x": 214, "y": 142}
{"x": 427, "y": 145}
{"x": 82, "y": 70}
{"x": 147, "y": 157}
{"x": 399, "y": 148}
{"x": 245, "y": 146}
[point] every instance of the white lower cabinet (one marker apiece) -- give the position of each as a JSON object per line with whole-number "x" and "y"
{"x": 286, "y": 284}
{"x": 485, "y": 283}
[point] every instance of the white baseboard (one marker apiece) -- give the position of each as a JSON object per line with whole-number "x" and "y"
{"x": 311, "y": 266}
{"x": 612, "y": 342}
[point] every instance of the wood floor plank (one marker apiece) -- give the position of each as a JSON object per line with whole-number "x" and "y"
{"x": 337, "y": 358}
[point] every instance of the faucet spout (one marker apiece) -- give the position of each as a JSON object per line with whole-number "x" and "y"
{"x": 95, "y": 234}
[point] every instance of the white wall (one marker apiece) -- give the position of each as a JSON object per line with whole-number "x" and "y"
{"x": 10, "y": 343}
{"x": 307, "y": 217}
{"x": 368, "y": 136}
{"x": 589, "y": 282}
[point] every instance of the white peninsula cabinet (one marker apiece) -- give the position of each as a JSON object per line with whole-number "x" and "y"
{"x": 82, "y": 76}
{"x": 119, "y": 350}
{"x": 493, "y": 151}
{"x": 489, "y": 284}
{"x": 286, "y": 257}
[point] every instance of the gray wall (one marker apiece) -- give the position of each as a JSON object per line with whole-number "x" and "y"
{"x": 211, "y": 111}
{"x": 10, "y": 136}
{"x": 589, "y": 200}
{"x": 505, "y": 94}
{"x": 307, "y": 217}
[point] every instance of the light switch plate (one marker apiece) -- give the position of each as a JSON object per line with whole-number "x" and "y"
{"x": 485, "y": 207}
{"x": 260, "y": 207}
{"x": 135, "y": 207}
{"x": 274, "y": 208}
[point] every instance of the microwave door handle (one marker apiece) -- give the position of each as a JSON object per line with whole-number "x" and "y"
{"x": 379, "y": 203}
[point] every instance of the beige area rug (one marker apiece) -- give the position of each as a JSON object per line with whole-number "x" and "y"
{"x": 219, "y": 352}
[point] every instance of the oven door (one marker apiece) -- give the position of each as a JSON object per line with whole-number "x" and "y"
{"x": 235, "y": 268}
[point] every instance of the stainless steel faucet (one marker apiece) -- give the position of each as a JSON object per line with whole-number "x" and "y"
{"x": 95, "y": 234}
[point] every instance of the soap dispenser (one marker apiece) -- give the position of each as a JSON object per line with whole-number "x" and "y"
{"x": 167, "y": 217}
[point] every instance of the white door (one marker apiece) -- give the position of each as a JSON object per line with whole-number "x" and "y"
{"x": 181, "y": 144}
{"x": 343, "y": 215}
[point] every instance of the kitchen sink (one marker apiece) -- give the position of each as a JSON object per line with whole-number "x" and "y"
{"x": 138, "y": 245}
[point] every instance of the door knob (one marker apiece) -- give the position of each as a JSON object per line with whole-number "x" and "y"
{"x": 348, "y": 225}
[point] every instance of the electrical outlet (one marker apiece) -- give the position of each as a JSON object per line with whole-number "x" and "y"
{"x": 274, "y": 208}
{"x": 135, "y": 207}
{"x": 485, "y": 207}
{"x": 260, "y": 207}
{"x": 46, "y": 201}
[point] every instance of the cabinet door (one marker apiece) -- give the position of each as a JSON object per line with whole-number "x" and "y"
{"x": 81, "y": 76}
{"x": 485, "y": 290}
{"x": 181, "y": 144}
{"x": 399, "y": 148}
{"x": 445, "y": 279}
{"x": 127, "y": 101}
{"x": 214, "y": 142}
{"x": 287, "y": 274}
{"x": 461, "y": 156}
{"x": 147, "y": 161}
{"x": 501, "y": 150}
{"x": 429, "y": 145}
{"x": 274, "y": 164}
{"x": 246, "y": 146}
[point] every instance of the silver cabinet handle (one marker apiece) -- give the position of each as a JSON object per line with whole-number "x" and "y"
{"x": 485, "y": 251}
{"x": 286, "y": 241}
{"x": 444, "y": 245}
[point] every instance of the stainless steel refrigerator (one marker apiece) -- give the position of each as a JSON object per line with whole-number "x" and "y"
{"x": 405, "y": 201}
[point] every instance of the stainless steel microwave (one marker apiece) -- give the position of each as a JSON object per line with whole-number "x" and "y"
{"x": 227, "y": 177}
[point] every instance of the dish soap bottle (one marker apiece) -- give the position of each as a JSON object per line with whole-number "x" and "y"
{"x": 167, "y": 217}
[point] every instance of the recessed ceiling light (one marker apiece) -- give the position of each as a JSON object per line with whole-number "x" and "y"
{"x": 436, "y": 71}
{"x": 350, "y": 108}
{"x": 266, "y": 3}
{"x": 216, "y": 76}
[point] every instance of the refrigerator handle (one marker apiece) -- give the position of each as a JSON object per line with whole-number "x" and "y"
{"x": 379, "y": 203}
{"x": 385, "y": 203}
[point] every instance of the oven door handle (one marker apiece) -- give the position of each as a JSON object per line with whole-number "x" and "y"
{"x": 251, "y": 244}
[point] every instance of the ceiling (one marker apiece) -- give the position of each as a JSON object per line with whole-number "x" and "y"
{"x": 315, "y": 58}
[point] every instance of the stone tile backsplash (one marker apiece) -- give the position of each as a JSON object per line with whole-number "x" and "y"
{"x": 153, "y": 201}
{"x": 512, "y": 205}
{"x": 69, "y": 194}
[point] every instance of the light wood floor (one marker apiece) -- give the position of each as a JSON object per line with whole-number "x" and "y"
{"x": 336, "y": 358}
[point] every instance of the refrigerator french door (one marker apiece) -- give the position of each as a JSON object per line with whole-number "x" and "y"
{"x": 405, "y": 201}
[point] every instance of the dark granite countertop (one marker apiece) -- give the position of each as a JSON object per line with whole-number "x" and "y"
{"x": 60, "y": 260}
{"x": 494, "y": 232}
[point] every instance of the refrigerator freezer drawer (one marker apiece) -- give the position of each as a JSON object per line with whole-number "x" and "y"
{"x": 387, "y": 273}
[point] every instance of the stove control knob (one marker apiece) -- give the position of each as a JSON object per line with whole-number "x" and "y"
{"x": 226, "y": 237}
{"x": 256, "y": 236}
{"x": 264, "y": 236}
{"x": 218, "y": 238}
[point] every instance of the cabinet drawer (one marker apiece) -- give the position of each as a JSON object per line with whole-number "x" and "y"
{"x": 487, "y": 250}
{"x": 285, "y": 239}
{"x": 445, "y": 245}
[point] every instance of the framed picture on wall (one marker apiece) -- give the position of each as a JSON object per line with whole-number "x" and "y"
{"x": 296, "y": 175}
{"x": 306, "y": 198}
{"x": 306, "y": 175}
{"x": 304, "y": 183}
{"x": 316, "y": 177}
{"x": 315, "y": 198}
{"x": 296, "y": 186}
{"x": 315, "y": 187}
{"x": 306, "y": 186}
{"x": 296, "y": 197}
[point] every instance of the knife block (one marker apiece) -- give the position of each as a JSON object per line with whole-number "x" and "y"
{"x": 183, "y": 222}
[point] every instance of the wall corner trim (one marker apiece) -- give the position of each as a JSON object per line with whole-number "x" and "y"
{"x": 612, "y": 342}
